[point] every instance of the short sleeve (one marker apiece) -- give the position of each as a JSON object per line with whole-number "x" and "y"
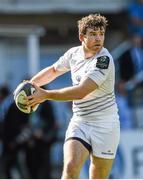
{"x": 99, "y": 70}
{"x": 63, "y": 64}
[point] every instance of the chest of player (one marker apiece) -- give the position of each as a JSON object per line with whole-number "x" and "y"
{"x": 79, "y": 69}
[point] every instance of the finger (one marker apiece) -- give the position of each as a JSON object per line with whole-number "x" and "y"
{"x": 35, "y": 85}
{"x": 30, "y": 97}
{"x": 27, "y": 98}
{"x": 35, "y": 105}
{"x": 30, "y": 103}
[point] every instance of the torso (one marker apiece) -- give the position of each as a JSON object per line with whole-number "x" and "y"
{"x": 101, "y": 102}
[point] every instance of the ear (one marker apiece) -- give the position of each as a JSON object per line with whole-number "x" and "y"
{"x": 81, "y": 37}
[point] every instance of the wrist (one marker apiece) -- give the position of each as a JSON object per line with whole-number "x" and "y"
{"x": 46, "y": 95}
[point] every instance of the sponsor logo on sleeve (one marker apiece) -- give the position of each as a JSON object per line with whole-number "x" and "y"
{"x": 102, "y": 62}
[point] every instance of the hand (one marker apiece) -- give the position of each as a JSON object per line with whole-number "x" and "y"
{"x": 38, "y": 97}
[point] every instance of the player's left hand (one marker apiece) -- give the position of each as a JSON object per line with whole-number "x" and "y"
{"x": 38, "y": 97}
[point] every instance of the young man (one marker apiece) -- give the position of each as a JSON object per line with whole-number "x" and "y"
{"x": 94, "y": 127}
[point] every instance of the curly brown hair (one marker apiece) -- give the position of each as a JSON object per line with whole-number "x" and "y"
{"x": 91, "y": 21}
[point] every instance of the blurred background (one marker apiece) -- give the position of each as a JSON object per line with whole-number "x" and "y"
{"x": 33, "y": 35}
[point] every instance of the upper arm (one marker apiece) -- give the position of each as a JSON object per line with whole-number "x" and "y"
{"x": 63, "y": 64}
{"x": 46, "y": 75}
{"x": 86, "y": 87}
{"x": 96, "y": 75}
{"x": 56, "y": 72}
{"x": 100, "y": 69}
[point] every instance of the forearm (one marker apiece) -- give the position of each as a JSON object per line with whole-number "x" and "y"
{"x": 72, "y": 93}
{"x": 65, "y": 94}
{"x": 45, "y": 76}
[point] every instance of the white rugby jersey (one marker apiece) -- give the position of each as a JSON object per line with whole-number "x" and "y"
{"x": 100, "y": 68}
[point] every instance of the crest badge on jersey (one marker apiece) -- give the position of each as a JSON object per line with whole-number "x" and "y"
{"x": 102, "y": 62}
{"x": 78, "y": 78}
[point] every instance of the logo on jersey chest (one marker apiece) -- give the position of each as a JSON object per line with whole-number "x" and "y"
{"x": 78, "y": 78}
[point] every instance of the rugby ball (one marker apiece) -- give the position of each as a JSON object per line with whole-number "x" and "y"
{"x": 24, "y": 89}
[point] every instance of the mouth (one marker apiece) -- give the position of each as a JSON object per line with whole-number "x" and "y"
{"x": 97, "y": 45}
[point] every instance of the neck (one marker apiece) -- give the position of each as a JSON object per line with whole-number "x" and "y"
{"x": 88, "y": 53}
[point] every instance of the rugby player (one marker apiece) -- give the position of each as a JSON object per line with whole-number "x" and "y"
{"x": 94, "y": 129}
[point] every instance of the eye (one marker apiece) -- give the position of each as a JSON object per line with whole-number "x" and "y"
{"x": 93, "y": 34}
{"x": 102, "y": 34}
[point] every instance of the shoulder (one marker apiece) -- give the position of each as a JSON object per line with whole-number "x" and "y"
{"x": 105, "y": 53}
{"x": 74, "y": 49}
{"x": 72, "y": 52}
{"x": 104, "y": 59}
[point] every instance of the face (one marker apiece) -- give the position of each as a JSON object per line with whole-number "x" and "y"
{"x": 93, "y": 40}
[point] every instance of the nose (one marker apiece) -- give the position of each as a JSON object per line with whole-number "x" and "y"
{"x": 97, "y": 37}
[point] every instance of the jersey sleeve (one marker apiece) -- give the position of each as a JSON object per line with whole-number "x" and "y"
{"x": 63, "y": 64}
{"x": 99, "y": 70}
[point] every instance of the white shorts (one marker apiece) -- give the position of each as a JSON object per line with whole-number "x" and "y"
{"x": 101, "y": 139}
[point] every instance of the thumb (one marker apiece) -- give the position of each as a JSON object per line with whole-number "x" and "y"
{"x": 35, "y": 85}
